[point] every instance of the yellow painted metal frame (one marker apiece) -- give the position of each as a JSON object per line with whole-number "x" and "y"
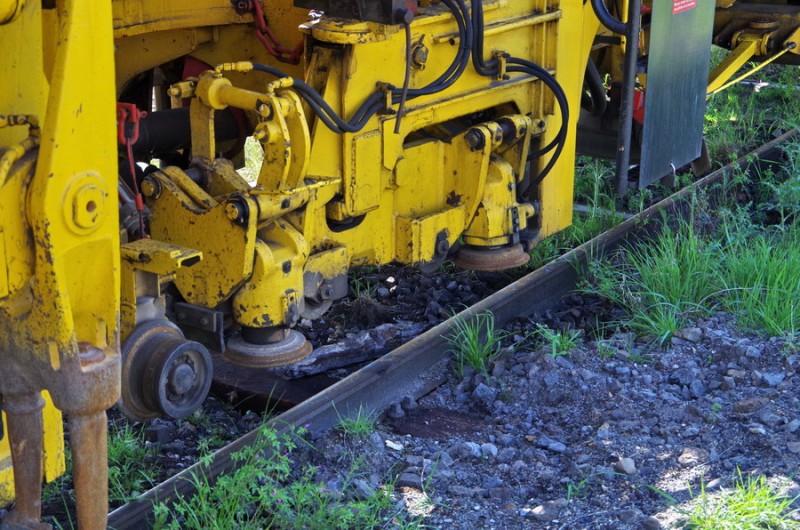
{"x": 59, "y": 306}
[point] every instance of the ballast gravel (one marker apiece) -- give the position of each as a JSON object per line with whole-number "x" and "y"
{"x": 615, "y": 434}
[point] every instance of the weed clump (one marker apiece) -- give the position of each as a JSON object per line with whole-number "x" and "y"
{"x": 752, "y": 504}
{"x": 475, "y": 342}
{"x": 267, "y": 490}
{"x": 357, "y": 425}
{"x": 680, "y": 275}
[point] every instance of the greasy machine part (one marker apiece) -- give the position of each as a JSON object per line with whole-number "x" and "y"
{"x": 290, "y": 347}
{"x": 491, "y": 258}
{"x": 162, "y": 372}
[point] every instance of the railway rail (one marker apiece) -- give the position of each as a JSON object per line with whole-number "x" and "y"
{"x": 407, "y": 365}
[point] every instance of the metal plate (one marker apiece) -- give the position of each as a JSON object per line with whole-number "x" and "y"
{"x": 677, "y": 77}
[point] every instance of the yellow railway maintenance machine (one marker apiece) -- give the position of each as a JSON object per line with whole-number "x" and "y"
{"x": 391, "y": 131}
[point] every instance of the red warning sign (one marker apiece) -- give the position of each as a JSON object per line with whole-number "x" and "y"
{"x": 679, "y": 6}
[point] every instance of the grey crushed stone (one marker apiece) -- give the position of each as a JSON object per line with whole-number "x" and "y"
{"x": 588, "y": 441}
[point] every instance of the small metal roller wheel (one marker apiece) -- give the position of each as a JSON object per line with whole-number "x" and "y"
{"x": 163, "y": 373}
{"x": 286, "y": 347}
{"x": 491, "y": 258}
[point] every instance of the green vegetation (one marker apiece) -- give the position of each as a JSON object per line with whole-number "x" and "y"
{"x": 475, "y": 342}
{"x": 659, "y": 285}
{"x": 743, "y": 117}
{"x": 560, "y": 342}
{"x": 357, "y": 425}
{"x": 748, "y": 271}
{"x": 253, "y": 157}
{"x": 762, "y": 283}
{"x": 269, "y": 490}
{"x": 362, "y": 287}
{"x": 132, "y": 468}
{"x": 592, "y": 186}
{"x": 752, "y": 504}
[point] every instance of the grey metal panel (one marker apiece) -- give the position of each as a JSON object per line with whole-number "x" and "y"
{"x": 677, "y": 77}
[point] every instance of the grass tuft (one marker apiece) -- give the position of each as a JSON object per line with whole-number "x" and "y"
{"x": 752, "y": 504}
{"x": 475, "y": 343}
{"x": 357, "y": 425}
{"x": 762, "y": 283}
{"x": 660, "y": 285}
{"x": 560, "y": 342}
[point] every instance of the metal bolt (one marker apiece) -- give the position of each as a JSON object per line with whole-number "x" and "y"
{"x": 180, "y": 379}
{"x": 87, "y": 206}
{"x": 419, "y": 56}
{"x": 475, "y": 139}
{"x": 237, "y": 211}
{"x": 326, "y": 293}
{"x": 151, "y": 188}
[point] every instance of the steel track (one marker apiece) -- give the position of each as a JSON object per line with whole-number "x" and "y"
{"x": 402, "y": 372}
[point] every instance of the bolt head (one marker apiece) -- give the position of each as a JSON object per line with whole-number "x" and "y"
{"x": 88, "y": 206}
{"x": 151, "y": 188}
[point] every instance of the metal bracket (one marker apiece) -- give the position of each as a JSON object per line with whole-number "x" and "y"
{"x": 206, "y": 326}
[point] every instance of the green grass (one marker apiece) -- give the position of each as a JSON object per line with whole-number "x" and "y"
{"x": 357, "y": 425}
{"x": 739, "y": 119}
{"x": 762, "y": 284}
{"x": 747, "y": 270}
{"x": 660, "y": 285}
{"x": 593, "y": 186}
{"x": 362, "y": 287}
{"x": 475, "y": 342}
{"x": 561, "y": 342}
{"x": 132, "y": 468}
{"x": 269, "y": 490}
{"x": 752, "y": 504}
{"x": 253, "y": 157}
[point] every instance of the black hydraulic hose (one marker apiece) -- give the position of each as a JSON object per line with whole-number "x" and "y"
{"x": 522, "y": 66}
{"x": 471, "y": 31}
{"x": 606, "y": 19}
{"x": 596, "y": 89}
{"x": 328, "y": 116}
{"x": 401, "y": 109}
{"x": 374, "y": 103}
{"x": 483, "y": 68}
{"x": 561, "y": 137}
{"x": 461, "y": 60}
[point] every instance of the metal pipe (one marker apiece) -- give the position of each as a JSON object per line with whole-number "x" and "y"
{"x": 633, "y": 26}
